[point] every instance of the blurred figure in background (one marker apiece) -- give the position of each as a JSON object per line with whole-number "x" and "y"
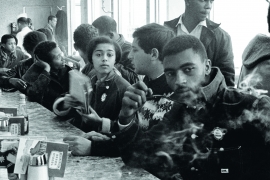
{"x": 52, "y": 21}
{"x": 12, "y": 80}
{"x": 30, "y": 23}
{"x": 23, "y": 30}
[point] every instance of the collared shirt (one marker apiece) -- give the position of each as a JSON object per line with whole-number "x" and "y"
{"x": 182, "y": 30}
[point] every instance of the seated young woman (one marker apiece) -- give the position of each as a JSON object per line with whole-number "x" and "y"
{"x": 108, "y": 90}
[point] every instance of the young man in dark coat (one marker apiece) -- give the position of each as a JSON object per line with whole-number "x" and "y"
{"x": 211, "y": 132}
{"x": 12, "y": 80}
{"x": 48, "y": 78}
{"x": 216, "y": 41}
{"x": 9, "y": 54}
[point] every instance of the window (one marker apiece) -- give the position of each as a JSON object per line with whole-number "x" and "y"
{"x": 242, "y": 20}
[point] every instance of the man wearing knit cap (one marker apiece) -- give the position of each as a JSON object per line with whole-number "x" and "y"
{"x": 12, "y": 79}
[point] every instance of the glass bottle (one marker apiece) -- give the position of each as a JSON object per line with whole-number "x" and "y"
{"x": 22, "y": 111}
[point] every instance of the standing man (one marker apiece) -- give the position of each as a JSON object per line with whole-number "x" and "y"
{"x": 52, "y": 21}
{"x": 23, "y": 30}
{"x": 216, "y": 41}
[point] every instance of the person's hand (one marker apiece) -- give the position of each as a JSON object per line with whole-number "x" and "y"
{"x": 91, "y": 118}
{"x": 95, "y": 136}
{"x": 18, "y": 83}
{"x": 13, "y": 176}
{"x": 133, "y": 100}
{"x": 79, "y": 146}
{"x": 44, "y": 65}
{"x": 70, "y": 101}
{"x": 3, "y": 70}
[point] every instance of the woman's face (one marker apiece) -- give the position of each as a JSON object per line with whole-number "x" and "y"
{"x": 103, "y": 59}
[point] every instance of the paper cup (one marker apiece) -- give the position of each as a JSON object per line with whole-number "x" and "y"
{"x": 38, "y": 173}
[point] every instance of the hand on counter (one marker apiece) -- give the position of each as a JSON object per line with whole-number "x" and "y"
{"x": 18, "y": 83}
{"x": 13, "y": 176}
{"x": 95, "y": 136}
{"x": 79, "y": 146}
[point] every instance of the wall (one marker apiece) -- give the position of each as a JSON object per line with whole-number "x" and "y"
{"x": 58, "y": 3}
{"x": 10, "y": 9}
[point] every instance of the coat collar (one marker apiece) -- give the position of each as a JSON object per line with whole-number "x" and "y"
{"x": 95, "y": 81}
{"x": 207, "y": 34}
{"x": 121, "y": 40}
{"x": 211, "y": 90}
{"x": 209, "y": 24}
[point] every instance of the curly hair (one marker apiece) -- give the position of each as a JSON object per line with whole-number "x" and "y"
{"x": 31, "y": 39}
{"x": 103, "y": 40}
{"x": 43, "y": 49}
{"x": 83, "y": 35}
{"x": 182, "y": 43}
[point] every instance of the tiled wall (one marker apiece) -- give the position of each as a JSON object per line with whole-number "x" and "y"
{"x": 10, "y": 9}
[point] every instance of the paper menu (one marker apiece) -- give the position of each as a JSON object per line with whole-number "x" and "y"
{"x": 80, "y": 87}
{"x": 57, "y": 158}
{"x": 23, "y": 155}
{"x": 55, "y": 152}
